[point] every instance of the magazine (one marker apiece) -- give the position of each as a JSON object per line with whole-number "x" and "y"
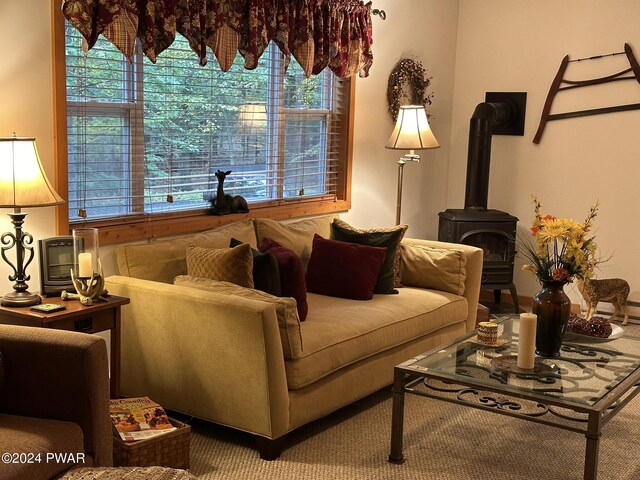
{"x": 138, "y": 418}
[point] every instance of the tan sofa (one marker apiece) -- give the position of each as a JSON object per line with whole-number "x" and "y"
{"x": 220, "y": 356}
{"x": 54, "y": 402}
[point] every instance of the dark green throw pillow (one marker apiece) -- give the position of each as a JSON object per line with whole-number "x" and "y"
{"x": 389, "y": 238}
{"x": 266, "y": 276}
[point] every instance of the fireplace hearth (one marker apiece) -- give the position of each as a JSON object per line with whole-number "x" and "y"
{"x": 493, "y": 231}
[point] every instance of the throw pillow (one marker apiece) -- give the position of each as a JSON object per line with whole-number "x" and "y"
{"x": 434, "y": 268}
{"x": 266, "y": 276}
{"x": 298, "y": 235}
{"x": 341, "y": 269}
{"x": 381, "y": 237}
{"x": 286, "y": 310}
{"x": 233, "y": 265}
{"x": 291, "y": 270}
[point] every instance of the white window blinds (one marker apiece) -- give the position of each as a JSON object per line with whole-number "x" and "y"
{"x": 146, "y": 139}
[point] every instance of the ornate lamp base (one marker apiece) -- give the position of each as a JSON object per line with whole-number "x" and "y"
{"x": 20, "y": 299}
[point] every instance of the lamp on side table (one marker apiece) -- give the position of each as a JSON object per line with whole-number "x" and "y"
{"x": 23, "y": 183}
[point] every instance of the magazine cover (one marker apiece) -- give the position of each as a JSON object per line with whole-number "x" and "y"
{"x": 138, "y": 418}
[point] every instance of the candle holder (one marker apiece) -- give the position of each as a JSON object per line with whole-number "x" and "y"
{"x": 88, "y": 288}
{"x": 86, "y": 275}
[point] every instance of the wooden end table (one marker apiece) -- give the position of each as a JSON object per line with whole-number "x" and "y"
{"x": 101, "y": 316}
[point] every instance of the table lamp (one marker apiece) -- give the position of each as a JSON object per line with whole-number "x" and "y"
{"x": 23, "y": 184}
{"x": 412, "y": 132}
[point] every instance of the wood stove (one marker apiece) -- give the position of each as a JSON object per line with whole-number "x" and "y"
{"x": 493, "y": 231}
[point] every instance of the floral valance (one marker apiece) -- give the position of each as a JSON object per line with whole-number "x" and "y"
{"x": 318, "y": 33}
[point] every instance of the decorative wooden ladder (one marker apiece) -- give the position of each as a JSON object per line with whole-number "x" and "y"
{"x": 557, "y": 86}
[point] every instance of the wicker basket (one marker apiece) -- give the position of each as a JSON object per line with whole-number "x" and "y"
{"x": 167, "y": 450}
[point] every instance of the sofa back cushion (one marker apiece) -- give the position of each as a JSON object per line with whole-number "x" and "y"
{"x": 286, "y": 311}
{"x": 433, "y": 268}
{"x": 234, "y": 265}
{"x": 297, "y": 235}
{"x": 162, "y": 261}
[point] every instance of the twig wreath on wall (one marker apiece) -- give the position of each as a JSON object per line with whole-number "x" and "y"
{"x": 408, "y": 82}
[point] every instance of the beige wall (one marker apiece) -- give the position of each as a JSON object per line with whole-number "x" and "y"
{"x": 424, "y": 30}
{"x": 517, "y": 45}
{"x": 26, "y": 105}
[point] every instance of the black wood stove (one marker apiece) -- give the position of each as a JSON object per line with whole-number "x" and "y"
{"x": 493, "y": 231}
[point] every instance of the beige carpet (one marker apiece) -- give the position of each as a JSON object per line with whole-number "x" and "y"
{"x": 442, "y": 441}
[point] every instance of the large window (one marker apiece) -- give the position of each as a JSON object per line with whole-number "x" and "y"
{"x": 145, "y": 139}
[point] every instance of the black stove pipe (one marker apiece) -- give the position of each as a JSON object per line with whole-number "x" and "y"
{"x": 486, "y": 116}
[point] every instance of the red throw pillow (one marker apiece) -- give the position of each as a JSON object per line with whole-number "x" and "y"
{"x": 342, "y": 269}
{"x": 291, "y": 271}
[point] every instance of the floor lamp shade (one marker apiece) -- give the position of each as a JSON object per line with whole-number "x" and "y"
{"x": 23, "y": 183}
{"x": 412, "y": 132}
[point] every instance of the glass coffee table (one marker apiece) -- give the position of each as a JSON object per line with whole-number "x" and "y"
{"x": 579, "y": 391}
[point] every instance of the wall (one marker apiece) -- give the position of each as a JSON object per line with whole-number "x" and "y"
{"x": 507, "y": 45}
{"x": 424, "y": 30}
{"x": 26, "y": 105}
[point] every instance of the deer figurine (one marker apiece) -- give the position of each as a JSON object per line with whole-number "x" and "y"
{"x": 612, "y": 290}
{"x": 223, "y": 204}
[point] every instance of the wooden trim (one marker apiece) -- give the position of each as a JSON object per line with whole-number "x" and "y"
{"x": 350, "y": 134}
{"x": 59, "y": 116}
{"x": 143, "y": 228}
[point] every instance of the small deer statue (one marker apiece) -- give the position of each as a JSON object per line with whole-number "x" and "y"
{"x": 223, "y": 204}
{"x": 612, "y": 290}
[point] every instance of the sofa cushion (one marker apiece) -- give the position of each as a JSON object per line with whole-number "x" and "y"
{"x": 286, "y": 310}
{"x": 434, "y": 268}
{"x": 342, "y": 269}
{"x": 20, "y": 434}
{"x": 233, "y": 265}
{"x": 292, "y": 282}
{"x": 382, "y": 237}
{"x": 297, "y": 235}
{"x": 162, "y": 261}
{"x": 339, "y": 332}
{"x": 266, "y": 276}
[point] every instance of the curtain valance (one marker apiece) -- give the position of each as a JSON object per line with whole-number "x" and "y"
{"x": 318, "y": 33}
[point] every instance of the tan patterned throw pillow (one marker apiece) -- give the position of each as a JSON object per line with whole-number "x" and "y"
{"x": 233, "y": 265}
{"x": 398, "y": 253}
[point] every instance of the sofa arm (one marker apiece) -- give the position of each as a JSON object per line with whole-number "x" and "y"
{"x": 474, "y": 272}
{"x": 59, "y": 375}
{"x": 214, "y": 356}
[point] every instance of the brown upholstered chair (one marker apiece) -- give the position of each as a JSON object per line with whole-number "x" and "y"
{"x": 54, "y": 398}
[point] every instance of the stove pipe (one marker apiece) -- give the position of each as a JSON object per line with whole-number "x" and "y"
{"x": 486, "y": 116}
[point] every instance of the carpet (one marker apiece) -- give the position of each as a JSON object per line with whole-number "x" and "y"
{"x": 441, "y": 441}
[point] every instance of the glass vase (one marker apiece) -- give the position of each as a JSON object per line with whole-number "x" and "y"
{"x": 552, "y": 306}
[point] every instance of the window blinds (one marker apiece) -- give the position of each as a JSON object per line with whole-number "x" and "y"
{"x": 147, "y": 138}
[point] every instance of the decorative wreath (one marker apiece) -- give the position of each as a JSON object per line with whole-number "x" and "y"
{"x": 407, "y": 80}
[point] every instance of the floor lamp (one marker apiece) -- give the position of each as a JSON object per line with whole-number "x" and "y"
{"x": 23, "y": 183}
{"x": 412, "y": 132}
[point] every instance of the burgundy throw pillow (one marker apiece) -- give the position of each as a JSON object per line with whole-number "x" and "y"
{"x": 343, "y": 269}
{"x": 291, "y": 271}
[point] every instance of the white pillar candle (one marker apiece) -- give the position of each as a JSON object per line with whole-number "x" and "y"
{"x": 85, "y": 265}
{"x": 527, "y": 340}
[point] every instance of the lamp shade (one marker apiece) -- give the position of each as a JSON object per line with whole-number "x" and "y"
{"x": 23, "y": 182}
{"x": 412, "y": 131}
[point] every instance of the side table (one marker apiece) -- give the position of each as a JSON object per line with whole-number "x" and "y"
{"x": 101, "y": 316}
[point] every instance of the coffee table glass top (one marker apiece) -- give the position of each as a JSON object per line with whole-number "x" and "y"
{"x": 583, "y": 374}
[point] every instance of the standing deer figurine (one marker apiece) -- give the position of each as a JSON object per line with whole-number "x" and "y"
{"x": 612, "y": 290}
{"x": 223, "y": 203}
